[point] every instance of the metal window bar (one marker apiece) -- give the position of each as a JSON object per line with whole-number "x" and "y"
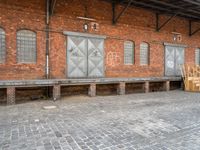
{"x": 197, "y": 56}
{"x": 2, "y": 46}
{"x": 26, "y": 46}
{"x": 144, "y": 53}
{"x": 128, "y": 52}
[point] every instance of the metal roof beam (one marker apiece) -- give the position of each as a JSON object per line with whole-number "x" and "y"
{"x": 162, "y": 9}
{"x": 192, "y": 2}
{"x": 174, "y": 6}
{"x": 189, "y": 9}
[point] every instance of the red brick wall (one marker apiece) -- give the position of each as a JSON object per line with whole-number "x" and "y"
{"x": 15, "y": 16}
{"x": 136, "y": 24}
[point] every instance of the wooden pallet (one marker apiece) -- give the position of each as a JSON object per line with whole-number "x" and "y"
{"x": 191, "y": 77}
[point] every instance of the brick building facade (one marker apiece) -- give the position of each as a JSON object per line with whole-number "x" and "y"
{"x": 136, "y": 25}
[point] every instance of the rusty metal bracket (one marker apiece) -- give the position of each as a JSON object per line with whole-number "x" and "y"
{"x": 191, "y": 33}
{"x": 115, "y": 19}
{"x": 159, "y": 27}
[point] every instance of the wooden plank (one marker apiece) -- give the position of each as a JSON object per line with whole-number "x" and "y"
{"x": 51, "y": 82}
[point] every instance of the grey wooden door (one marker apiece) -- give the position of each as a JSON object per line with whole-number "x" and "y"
{"x": 180, "y": 57}
{"x": 169, "y": 61}
{"x": 85, "y": 57}
{"x": 174, "y": 57}
{"x": 77, "y": 56}
{"x": 95, "y": 57}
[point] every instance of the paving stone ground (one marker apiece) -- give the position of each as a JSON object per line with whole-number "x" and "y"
{"x": 154, "y": 121}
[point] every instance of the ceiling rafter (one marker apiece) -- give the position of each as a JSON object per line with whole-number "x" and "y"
{"x": 174, "y": 6}
{"x": 162, "y": 9}
{"x": 192, "y": 2}
{"x": 189, "y": 9}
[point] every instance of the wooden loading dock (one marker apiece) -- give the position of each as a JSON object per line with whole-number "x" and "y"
{"x": 56, "y": 85}
{"x": 103, "y": 45}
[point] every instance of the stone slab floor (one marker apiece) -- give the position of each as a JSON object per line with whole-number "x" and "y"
{"x": 163, "y": 120}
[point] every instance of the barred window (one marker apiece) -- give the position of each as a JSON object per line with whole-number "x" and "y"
{"x": 128, "y": 52}
{"x": 144, "y": 53}
{"x": 26, "y": 46}
{"x": 197, "y": 56}
{"x": 2, "y": 46}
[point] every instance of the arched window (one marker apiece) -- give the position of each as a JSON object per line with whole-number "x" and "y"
{"x": 128, "y": 52}
{"x": 26, "y": 46}
{"x": 144, "y": 53}
{"x": 2, "y": 46}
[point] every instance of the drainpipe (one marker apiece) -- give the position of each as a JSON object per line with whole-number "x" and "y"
{"x": 47, "y": 21}
{"x": 47, "y": 38}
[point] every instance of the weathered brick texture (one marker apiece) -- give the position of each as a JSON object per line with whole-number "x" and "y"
{"x": 121, "y": 89}
{"x": 92, "y": 90}
{"x": 137, "y": 25}
{"x": 10, "y": 95}
{"x": 146, "y": 87}
{"x": 56, "y": 92}
{"x": 167, "y": 85}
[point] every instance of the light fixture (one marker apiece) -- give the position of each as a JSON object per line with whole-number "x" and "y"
{"x": 85, "y": 27}
{"x": 177, "y": 36}
{"x": 174, "y": 37}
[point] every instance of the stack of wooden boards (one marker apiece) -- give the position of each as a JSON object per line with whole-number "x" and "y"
{"x": 191, "y": 77}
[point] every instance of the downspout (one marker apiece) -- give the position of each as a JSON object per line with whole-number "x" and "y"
{"x": 47, "y": 21}
{"x": 47, "y": 38}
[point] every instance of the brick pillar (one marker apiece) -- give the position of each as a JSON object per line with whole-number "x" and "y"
{"x": 121, "y": 89}
{"x": 92, "y": 90}
{"x": 10, "y": 95}
{"x": 56, "y": 92}
{"x": 146, "y": 87}
{"x": 167, "y": 85}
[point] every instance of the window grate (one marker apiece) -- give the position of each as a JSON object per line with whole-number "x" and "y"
{"x": 2, "y": 46}
{"x": 26, "y": 46}
{"x": 144, "y": 53}
{"x": 197, "y": 56}
{"x": 128, "y": 52}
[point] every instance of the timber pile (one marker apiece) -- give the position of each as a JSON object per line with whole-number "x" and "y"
{"x": 191, "y": 77}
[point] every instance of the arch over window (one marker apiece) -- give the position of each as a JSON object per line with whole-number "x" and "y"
{"x": 128, "y": 52}
{"x": 26, "y": 46}
{"x": 144, "y": 53}
{"x": 2, "y": 46}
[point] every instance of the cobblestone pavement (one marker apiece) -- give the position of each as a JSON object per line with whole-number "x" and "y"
{"x": 163, "y": 120}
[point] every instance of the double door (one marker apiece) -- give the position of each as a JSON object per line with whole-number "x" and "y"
{"x": 85, "y": 57}
{"x": 174, "y": 58}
